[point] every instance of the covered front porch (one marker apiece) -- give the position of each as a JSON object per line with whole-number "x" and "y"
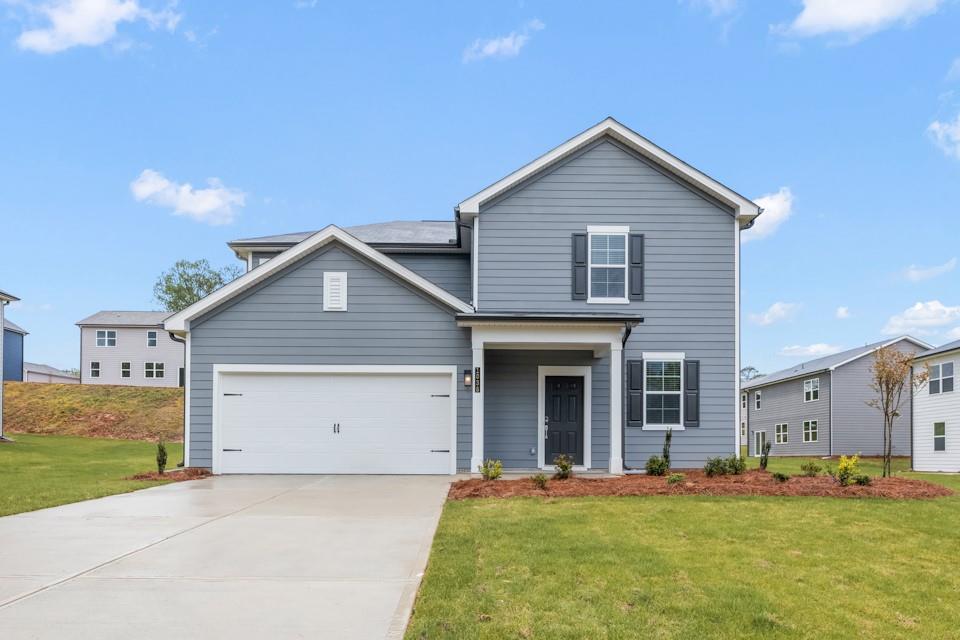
{"x": 544, "y": 387}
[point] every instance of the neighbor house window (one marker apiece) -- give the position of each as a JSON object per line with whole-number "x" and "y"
{"x": 662, "y": 392}
{"x": 757, "y": 401}
{"x": 743, "y": 429}
{"x": 106, "y": 338}
{"x": 152, "y": 369}
{"x": 743, "y": 401}
{"x": 259, "y": 261}
{"x": 939, "y": 436}
{"x": 811, "y": 390}
{"x": 781, "y": 433}
{"x": 941, "y": 378}
{"x": 151, "y": 338}
{"x": 94, "y": 369}
{"x": 607, "y": 264}
{"x": 124, "y": 369}
{"x": 811, "y": 431}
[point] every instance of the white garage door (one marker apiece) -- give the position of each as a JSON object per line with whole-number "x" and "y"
{"x": 335, "y": 423}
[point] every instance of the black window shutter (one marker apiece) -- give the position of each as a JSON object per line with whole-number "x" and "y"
{"x": 691, "y": 393}
{"x": 636, "y": 266}
{"x": 634, "y": 393}
{"x": 579, "y": 266}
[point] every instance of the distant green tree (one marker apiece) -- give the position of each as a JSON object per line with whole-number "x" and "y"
{"x": 749, "y": 373}
{"x": 188, "y": 281}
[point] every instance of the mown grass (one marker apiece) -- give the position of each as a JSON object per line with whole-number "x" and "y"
{"x": 45, "y": 471}
{"x": 133, "y": 413}
{"x": 694, "y": 567}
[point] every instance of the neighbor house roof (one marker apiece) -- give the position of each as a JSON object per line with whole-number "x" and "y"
{"x": 424, "y": 232}
{"x": 125, "y": 319}
{"x": 745, "y": 209}
{"x": 11, "y": 326}
{"x": 6, "y": 297}
{"x": 826, "y": 363}
{"x": 944, "y": 348}
{"x": 47, "y": 370}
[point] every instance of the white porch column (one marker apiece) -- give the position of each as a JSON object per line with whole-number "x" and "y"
{"x": 616, "y": 407}
{"x": 479, "y": 382}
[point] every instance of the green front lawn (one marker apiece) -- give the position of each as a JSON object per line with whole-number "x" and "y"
{"x": 694, "y": 567}
{"x": 46, "y": 471}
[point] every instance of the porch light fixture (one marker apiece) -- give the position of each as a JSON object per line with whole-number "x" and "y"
{"x": 467, "y": 378}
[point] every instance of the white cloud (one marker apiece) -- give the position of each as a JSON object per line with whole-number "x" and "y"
{"x": 775, "y": 313}
{"x": 777, "y": 207}
{"x": 89, "y": 23}
{"x": 954, "y": 72}
{"x": 923, "y": 318}
{"x": 214, "y": 205}
{"x": 946, "y": 135}
{"x": 815, "y": 350}
{"x": 305, "y": 4}
{"x": 507, "y": 46}
{"x": 856, "y": 18}
{"x": 843, "y": 313}
{"x": 716, "y": 8}
{"x": 953, "y": 334}
{"x": 913, "y": 273}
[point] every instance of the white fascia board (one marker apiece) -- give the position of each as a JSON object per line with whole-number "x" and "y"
{"x": 744, "y": 208}
{"x": 180, "y": 322}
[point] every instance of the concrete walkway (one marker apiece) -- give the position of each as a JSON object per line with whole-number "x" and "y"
{"x": 226, "y": 557}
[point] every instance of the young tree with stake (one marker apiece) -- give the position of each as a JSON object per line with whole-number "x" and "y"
{"x": 890, "y": 375}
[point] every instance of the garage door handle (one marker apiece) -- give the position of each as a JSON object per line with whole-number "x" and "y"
{"x": 233, "y": 449}
{"x": 439, "y": 395}
{"x": 439, "y": 450}
{"x": 233, "y": 394}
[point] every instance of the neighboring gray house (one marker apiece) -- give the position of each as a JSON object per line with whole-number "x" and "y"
{"x": 33, "y": 372}
{"x": 13, "y": 336}
{"x": 129, "y": 348}
{"x": 936, "y": 410}
{"x": 819, "y": 408}
{"x": 581, "y": 305}
{"x": 5, "y": 299}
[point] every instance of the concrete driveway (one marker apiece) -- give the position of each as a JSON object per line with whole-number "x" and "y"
{"x": 226, "y": 557}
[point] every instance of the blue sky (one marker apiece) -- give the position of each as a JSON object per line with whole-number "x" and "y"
{"x": 136, "y": 132}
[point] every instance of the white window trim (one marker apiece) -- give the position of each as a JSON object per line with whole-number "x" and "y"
{"x": 781, "y": 436}
{"x": 153, "y": 373}
{"x": 811, "y": 390}
{"x": 106, "y": 338}
{"x": 156, "y": 339}
{"x": 129, "y": 370}
{"x": 935, "y": 436}
{"x": 757, "y": 400}
{"x": 808, "y": 430}
{"x": 99, "y": 369}
{"x": 586, "y": 372}
{"x": 663, "y": 356}
{"x": 940, "y": 377}
{"x": 328, "y": 276}
{"x": 757, "y": 446}
{"x": 609, "y": 231}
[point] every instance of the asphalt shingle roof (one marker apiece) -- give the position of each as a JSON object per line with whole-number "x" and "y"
{"x": 12, "y": 326}
{"x": 47, "y": 369}
{"x": 442, "y": 232}
{"x": 950, "y": 346}
{"x": 125, "y": 319}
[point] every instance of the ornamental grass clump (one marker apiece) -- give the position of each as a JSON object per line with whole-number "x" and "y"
{"x": 491, "y": 469}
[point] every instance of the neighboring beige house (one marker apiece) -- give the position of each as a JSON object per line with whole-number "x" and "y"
{"x": 44, "y": 373}
{"x": 129, "y": 348}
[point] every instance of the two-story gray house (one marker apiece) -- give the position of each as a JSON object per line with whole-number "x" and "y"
{"x": 582, "y": 305}
{"x": 819, "y": 407}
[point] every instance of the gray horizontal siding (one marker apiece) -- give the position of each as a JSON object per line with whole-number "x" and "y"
{"x": 783, "y": 403}
{"x": 450, "y": 271}
{"x": 282, "y": 322}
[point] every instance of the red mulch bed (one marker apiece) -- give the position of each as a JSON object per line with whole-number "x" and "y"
{"x": 751, "y": 483}
{"x": 178, "y": 475}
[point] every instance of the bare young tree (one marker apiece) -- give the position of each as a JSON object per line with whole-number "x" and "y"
{"x": 891, "y": 375}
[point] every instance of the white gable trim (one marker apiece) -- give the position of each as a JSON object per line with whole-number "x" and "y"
{"x": 919, "y": 343}
{"x": 744, "y": 208}
{"x": 180, "y": 322}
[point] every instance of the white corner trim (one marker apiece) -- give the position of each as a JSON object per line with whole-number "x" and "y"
{"x": 744, "y": 208}
{"x": 186, "y": 402}
{"x": 180, "y": 322}
{"x": 586, "y": 373}
{"x": 475, "y": 263}
{"x": 737, "y": 438}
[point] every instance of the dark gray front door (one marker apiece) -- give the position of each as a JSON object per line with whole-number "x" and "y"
{"x": 563, "y": 424}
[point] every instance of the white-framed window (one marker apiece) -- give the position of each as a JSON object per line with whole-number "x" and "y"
{"x": 780, "y": 433}
{"x": 811, "y": 431}
{"x": 94, "y": 369}
{"x": 939, "y": 436}
{"x": 259, "y": 261}
{"x": 151, "y": 338}
{"x": 106, "y": 338}
{"x": 662, "y": 385}
{"x": 941, "y": 378}
{"x": 757, "y": 400}
{"x": 811, "y": 390}
{"x": 607, "y": 264}
{"x": 334, "y": 291}
{"x": 152, "y": 369}
{"x": 124, "y": 369}
{"x": 743, "y": 429}
{"x": 743, "y": 401}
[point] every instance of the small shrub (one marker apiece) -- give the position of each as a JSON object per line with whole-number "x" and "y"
{"x": 862, "y": 479}
{"x": 847, "y": 469}
{"x": 674, "y": 478}
{"x": 161, "y": 456}
{"x": 564, "y": 465}
{"x": 765, "y": 456}
{"x": 736, "y": 465}
{"x": 657, "y": 466}
{"x": 667, "y": 439}
{"x": 715, "y": 467}
{"x": 540, "y": 481}
{"x": 491, "y": 469}
{"x": 810, "y": 469}
{"x": 780, "y": 477}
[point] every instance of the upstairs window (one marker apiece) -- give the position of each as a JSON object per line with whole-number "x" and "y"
{"x": 939, "y": 436}
{"x": 662, "y": 393}
{"x": 757, "y": 400}
{"x": 152, "y": 369}
{"x": 941, "y": 378}
{"x": 106, "y": 338}
{"x": 151, "y": 338}
{"x": 94, "y": 369}
{"x": 607, "y": 264}
{"x": 781, "y": 433}
{"x": 811, "y": 390}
